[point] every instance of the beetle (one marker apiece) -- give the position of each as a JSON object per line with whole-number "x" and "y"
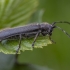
{"x": 31, "y": 30}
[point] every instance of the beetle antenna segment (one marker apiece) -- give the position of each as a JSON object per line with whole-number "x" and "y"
{"x": 60, "y": 22}
{"x": 61, "y": 28}
{"x": 63, "y": 31}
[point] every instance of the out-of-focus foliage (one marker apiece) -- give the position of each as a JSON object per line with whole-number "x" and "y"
{"x": 30, "y": 67}
{"x": 55, "y": 56}
{"x": 6, "y": 61}
{"x": 16, "y": 12}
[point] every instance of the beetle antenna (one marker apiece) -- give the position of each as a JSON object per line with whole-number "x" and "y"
{"x": 63, "y": 31}
{"x": 60, "y": 22}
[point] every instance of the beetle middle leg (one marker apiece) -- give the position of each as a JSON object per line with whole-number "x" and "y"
{"x": 19, "y": 46}
{"x": 36, "y": 38}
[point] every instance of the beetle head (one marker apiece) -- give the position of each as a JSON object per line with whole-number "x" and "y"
{"x": 47, "y": 28}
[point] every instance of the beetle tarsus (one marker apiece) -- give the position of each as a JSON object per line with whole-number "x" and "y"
{"x": 32, "y": 45}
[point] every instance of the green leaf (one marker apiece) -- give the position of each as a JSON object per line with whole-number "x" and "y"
{"x": 15, "y": 13}
{"x": 10, "y": 46}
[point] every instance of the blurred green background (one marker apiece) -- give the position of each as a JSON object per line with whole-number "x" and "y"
{"x": 54, "y": 56}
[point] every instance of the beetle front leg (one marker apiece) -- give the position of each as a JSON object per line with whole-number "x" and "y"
{"x": 51, "y": 39}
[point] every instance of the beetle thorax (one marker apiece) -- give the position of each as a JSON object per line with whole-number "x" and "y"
{"x": 46, "y": 27}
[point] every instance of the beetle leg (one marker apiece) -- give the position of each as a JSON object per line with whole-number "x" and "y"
{"x": 36, "y": 38}
{"x": 19, "y": 43}
{"x": 51, "y": 39}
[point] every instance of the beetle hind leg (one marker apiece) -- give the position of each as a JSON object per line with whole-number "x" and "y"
{"x": 19, "y": 46}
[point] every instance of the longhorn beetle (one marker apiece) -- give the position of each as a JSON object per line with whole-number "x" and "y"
{"x": 31, "y": 30}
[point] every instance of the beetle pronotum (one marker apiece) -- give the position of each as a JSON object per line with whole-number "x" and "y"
{"x": 31, "y": 30}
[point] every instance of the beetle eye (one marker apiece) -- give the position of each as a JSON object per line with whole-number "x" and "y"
{"x": 52, "y": 29}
